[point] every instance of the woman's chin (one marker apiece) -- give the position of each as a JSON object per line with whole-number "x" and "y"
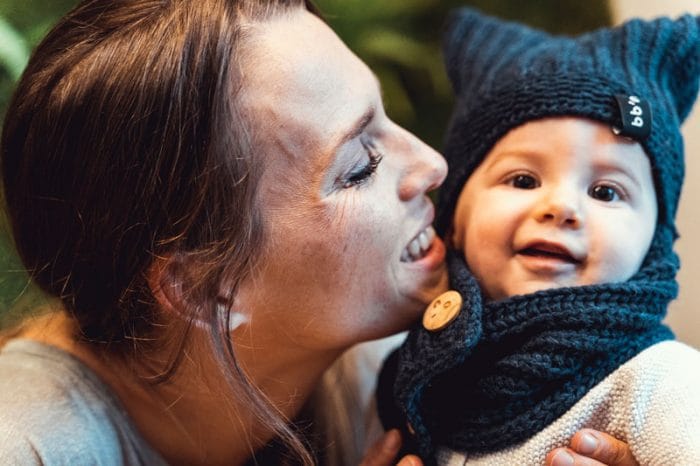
{"x": 431, "y": 286}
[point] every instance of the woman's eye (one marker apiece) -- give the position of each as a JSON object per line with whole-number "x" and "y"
{"x": 365, "y": 172}
{"x": 524, "y": 182}
{"x": 604, "y": 193}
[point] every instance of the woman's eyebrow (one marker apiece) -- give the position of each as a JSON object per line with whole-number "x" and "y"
{"x": 360, "y": 124}
{"x": 356, "y": 129}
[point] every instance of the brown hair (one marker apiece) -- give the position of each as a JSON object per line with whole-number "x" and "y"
{"x": 123, "y": 143}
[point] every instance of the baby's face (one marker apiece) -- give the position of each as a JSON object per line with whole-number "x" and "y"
{"x": 557, "y": 202}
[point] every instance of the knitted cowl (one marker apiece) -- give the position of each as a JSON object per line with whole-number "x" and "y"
{"x": 504, "y": 370}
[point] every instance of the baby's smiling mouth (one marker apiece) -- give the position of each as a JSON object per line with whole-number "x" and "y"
{"x": 549, "y": 251}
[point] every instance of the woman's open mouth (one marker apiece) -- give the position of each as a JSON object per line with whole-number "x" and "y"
{"x": 419, "y": 246}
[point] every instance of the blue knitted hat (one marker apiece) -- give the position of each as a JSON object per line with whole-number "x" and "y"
{"x": 505, "y": 74}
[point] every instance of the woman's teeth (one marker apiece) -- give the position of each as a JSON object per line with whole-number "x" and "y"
{"x": 419, "y": 246}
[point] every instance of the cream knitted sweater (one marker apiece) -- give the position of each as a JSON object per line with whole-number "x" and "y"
{"x": 652, "y": 402}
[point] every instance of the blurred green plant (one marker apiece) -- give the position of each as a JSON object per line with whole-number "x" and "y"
{"x": 13, "y": 50}
{"x": 398, "y": 39}
{"x": 22, "y": 24}
{"x": 14, "y": 54}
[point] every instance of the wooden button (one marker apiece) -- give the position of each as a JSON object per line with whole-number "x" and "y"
{"x": 442, "y": 311}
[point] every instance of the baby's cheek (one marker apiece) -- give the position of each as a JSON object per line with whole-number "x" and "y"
{"x": 459, "y": 229}
{"x": 621, "y": 259}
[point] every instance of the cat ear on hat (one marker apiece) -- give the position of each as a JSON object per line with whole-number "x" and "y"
{"x": 683, "y": 64}
{"x": 659, "y": 59}
{"x": 476, "y": 45}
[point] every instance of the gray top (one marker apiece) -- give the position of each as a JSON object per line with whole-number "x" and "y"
{"x": 56, "y": 411}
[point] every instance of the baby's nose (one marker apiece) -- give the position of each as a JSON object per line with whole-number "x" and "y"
{"x": 561, "y": 208}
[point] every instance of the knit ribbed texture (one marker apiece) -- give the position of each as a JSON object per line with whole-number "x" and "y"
{"x": 503, "y": 371}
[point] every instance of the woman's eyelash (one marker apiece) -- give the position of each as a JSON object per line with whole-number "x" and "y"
{"x": 364, "y": 173}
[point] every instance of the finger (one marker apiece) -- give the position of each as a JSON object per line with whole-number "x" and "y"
{"x": 410, "y": 460}
{"x": 568, "y": 457}
{"x": 602, "y": 447}
{"x": 384, "y": 450}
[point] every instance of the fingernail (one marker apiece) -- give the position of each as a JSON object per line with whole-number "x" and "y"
{"x": 407, "y": 461}
{"x": 588, "y": 444}
{"x": 563, "y": 458}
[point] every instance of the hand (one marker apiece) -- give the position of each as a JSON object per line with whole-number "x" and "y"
{"x": 589, "y": 447}
{"x": 384, "y": 451}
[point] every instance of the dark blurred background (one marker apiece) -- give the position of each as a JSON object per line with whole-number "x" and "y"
{"x": 399, "y": 40}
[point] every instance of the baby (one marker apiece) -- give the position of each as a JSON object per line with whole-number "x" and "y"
{"x": 566, "y": 165}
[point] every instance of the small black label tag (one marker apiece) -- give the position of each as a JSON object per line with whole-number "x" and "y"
{"x": 636, "y": 117}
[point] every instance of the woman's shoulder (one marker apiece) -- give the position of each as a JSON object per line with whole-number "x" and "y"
{"x": 54, "y": 410}
{"x": 38, "y": 380}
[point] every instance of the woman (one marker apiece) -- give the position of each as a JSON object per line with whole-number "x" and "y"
{"x": 213, "y": 193}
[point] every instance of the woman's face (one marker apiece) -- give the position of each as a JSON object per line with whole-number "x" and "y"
{"x": 342, "y": 195}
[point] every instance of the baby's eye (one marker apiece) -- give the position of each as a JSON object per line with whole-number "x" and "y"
{"x": 523, "y": 181}
{"x": 605, "y": 193}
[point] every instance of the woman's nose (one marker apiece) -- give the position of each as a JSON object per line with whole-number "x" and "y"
{"x": 561, "y": 208}
{"x": 425, "y": 170}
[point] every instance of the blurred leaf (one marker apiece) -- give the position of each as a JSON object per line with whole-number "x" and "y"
{"x": 396, "y": 47}
{"x": 14, "y": 53}
{"x": 27, "y": 14}
{"x": 394, "y": 94}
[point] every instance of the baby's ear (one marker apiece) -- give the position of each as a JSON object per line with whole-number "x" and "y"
{"x": 475, "y": 45}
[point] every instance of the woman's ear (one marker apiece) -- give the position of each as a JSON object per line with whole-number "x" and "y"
{"x": 166, "y": 284}
{"x": 168, "y": 280}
